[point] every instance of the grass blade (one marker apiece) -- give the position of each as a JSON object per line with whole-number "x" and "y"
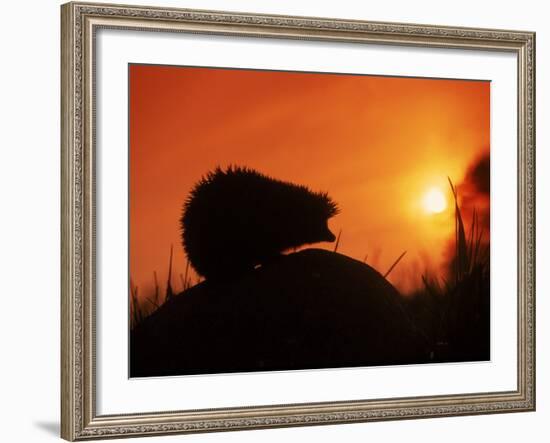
{"x": 337, "y": 241}
{"x": 395, "y": 264}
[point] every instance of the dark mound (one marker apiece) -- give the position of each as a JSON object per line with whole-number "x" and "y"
{"x": 311, "y": 309}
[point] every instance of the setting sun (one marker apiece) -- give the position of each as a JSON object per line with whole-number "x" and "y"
{"x": 434, "y": 201}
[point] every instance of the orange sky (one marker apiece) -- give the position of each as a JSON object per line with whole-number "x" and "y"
{"x": 376, "y": 144}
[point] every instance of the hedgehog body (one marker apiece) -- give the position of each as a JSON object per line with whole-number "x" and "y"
{"x": 238, "y": 218}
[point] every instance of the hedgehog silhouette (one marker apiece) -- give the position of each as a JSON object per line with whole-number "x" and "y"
{"x": 236, "y": 219}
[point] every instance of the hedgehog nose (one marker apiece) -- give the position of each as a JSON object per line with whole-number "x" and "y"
{"x": 329, "y": 236}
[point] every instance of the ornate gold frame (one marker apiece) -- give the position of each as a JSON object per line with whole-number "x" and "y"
{"x": 79, "y": 420}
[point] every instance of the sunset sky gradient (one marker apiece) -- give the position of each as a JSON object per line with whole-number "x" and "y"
{"x": 376, "y": 144}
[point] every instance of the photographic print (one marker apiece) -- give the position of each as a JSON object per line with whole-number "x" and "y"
{"x": 302, "y": 220}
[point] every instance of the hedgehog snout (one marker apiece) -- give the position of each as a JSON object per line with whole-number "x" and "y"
{"x": 328, "y": 235}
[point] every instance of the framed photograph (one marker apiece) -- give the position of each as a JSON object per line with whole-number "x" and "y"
{"x": 282, "y": 221}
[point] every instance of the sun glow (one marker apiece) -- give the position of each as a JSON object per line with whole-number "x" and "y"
{"x": 434, "y": 201}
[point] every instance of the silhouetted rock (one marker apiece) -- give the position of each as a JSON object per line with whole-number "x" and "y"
{"x": 310, "y": 309}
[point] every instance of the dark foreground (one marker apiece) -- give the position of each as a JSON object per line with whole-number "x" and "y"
{"x": 308, "y": 310}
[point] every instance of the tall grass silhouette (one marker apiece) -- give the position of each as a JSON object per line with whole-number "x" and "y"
{"x": 141, "y": 306}
{"x": 453, "y": 312}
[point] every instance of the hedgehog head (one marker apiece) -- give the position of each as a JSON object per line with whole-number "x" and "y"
{"x": 312, "y": 225}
